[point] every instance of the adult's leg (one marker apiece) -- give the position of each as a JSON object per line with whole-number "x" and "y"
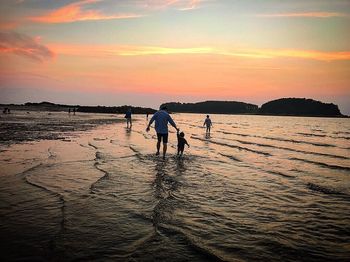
{"x": 158, "y": 147}
{"x": 165, "y": 144}
{"x": 165, "y": 147}
{"x": 159, "y": 137}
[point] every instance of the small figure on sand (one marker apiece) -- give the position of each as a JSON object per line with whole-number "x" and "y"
{"x": 128, "y": 118}
{"x": 181, "y": 142}
{"x": 147, "y": 116}
{"x": 162, "y": 118}
{"x": 208, "y": 124}
{"x": 68, "y": 110}
{"x": 74, "y": 110}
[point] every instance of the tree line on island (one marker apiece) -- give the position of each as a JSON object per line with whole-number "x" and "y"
{"x": 280, "y": 107}
{"x": 90, "y": 109}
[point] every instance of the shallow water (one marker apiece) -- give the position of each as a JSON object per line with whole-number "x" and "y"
{"x": 259, "y": 188}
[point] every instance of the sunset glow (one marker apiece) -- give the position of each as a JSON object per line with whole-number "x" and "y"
{"x": 153, "y": 51}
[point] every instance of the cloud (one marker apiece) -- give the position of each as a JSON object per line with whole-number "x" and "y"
{"x": 191, "y": 5}
{"x": 182, "y": 5}
{"x": 7, "y": 25}
{"x": 75, "y": 12}
{"x": 154, "y": 50}
{"x": 249, "y": 53}
{"x": 306, "y": 14}
{"x": 25, "y": 46}
{"x": 290, "y": 53}
{"x": 122, "y": 50}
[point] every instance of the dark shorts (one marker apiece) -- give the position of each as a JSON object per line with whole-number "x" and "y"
{"x": 164, "y": 136}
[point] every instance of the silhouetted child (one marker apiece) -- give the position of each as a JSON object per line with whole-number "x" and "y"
{"x": 181, "y": 142}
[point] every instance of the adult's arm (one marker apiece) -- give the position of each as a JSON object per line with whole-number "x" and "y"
{"x": 150, "y": 122}
{"x": 171, "y": 121}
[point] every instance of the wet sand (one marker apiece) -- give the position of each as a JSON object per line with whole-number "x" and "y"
{"x": 85, "y": 191}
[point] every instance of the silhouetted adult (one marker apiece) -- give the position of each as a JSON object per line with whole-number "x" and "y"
{"x": 128, "y": 118}
{"x": 162, "y": 118}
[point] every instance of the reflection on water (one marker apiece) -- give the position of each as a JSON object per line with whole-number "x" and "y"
{"x": 257, "y": 188}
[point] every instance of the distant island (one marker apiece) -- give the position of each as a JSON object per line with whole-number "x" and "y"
{"x": 299, "y": 107}
{"x": 280, "y": 107}
{"x": 214, "y": 107}
{"x": 48, "y": 106}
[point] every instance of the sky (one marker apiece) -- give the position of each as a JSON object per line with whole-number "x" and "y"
{"x": 146, "y": 52}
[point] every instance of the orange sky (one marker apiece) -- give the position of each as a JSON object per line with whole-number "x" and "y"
{"x": 149, "y": 52}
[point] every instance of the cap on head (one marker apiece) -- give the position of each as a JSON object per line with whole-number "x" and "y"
{"x": 163, "y": 108}
{"x": 182, "y": 134}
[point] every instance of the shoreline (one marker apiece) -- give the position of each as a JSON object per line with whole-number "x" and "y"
{"x": 29, "y": 109}
{"x": 22, "y": 127}
{"x": 251, "y": 114}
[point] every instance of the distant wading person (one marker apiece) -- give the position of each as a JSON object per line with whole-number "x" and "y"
{"x": 162, "y": 118}
{"x": 207, "y": 122}
{"x": 128, "y": 118}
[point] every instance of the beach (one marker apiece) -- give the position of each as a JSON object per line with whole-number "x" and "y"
{"x": 84, "y": 187}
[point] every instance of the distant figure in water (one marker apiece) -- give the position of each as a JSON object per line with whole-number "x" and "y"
{"x": 181, "y": 142}
{"x": 68, "y": 110}
{"x": 128, "y": 118}
{"x": 207, "y": 122}
{"x": 162, "y": 118}
{"x": 74, "y": 111}
{"x": 5, "y": 110}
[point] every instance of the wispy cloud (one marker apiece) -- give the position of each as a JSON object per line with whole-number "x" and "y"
{"x": 251, "y": 53}
{"x": 290, "y": 53}
{"x": 153, "y": 50}
{"x": 122, "y": 50}
{"x": 7, "y": 25}
{"x": 25, "y": 46}
{"x": 75, "y": 12}
{"x": 182, "y": 5}
{"x": 307, "y": 14}
{"x": 191, "y": 5}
